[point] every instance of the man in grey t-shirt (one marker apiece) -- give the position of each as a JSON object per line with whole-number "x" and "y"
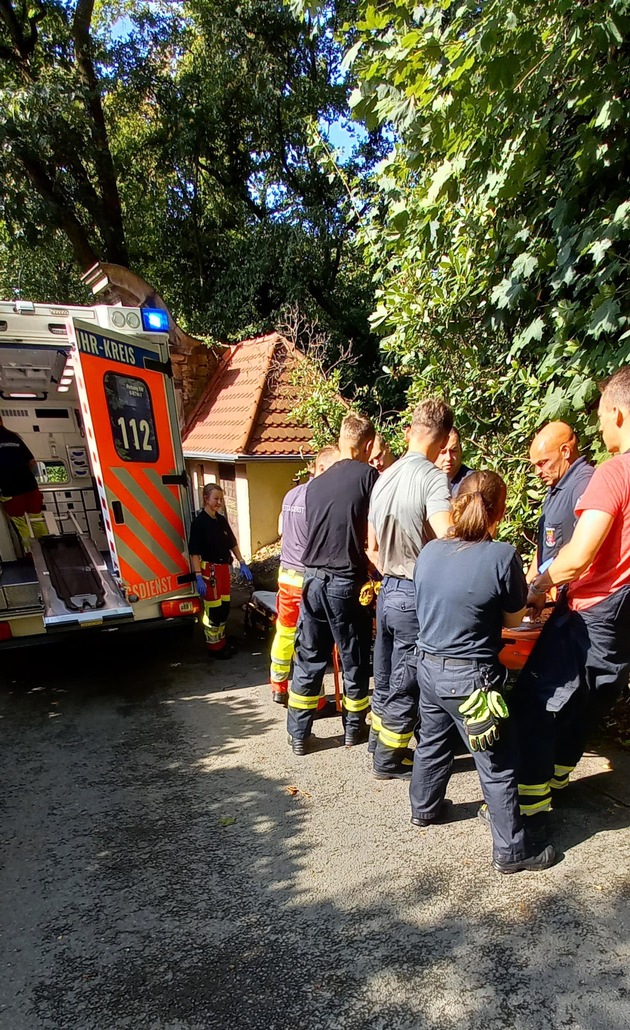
{"x": 410, "y": 505}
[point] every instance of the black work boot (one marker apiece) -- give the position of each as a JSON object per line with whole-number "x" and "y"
{"x": 403, "y": 772}
{"x": 537, "y": 828}
{"x": 299, "y": 745}
{"x": 533, "y": 863}
{"x": 356, "y": 735}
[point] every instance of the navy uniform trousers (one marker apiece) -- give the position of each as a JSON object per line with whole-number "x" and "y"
{"x": 395, "y": 697}
{"x": 330, "y": 614}
{"x": 444, "y": 683}
{"x": 575, "y": 673}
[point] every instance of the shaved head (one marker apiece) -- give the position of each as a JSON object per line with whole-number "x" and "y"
{"x": 552, "y": 452}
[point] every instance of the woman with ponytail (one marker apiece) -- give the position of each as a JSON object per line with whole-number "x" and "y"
{"x": 468, "y": 586}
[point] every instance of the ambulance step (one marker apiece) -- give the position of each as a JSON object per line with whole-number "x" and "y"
{"x": 75, "y": 584}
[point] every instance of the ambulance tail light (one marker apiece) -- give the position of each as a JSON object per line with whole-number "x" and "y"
{"x": 182, "y": 606}
{"x": 5, "y": 631}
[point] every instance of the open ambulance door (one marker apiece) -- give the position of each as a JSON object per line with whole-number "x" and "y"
{"x": 128, "y": 408}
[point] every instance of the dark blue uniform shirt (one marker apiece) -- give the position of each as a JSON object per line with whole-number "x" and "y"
{"x": 462, "y": 591}
{"x": 557, "y": 521}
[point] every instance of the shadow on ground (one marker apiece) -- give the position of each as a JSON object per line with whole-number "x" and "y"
{"x": 145, "y": 887}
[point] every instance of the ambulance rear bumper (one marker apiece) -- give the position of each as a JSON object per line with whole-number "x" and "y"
{"x": 86, "y": 633}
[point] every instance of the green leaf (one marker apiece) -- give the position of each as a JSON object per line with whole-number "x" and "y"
{"x": 604, "y": 319}
{"x": 524, "y": 265}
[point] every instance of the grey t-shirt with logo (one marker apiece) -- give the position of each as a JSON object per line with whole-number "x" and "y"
{"x": 294, "y": 528}
{"x": 404, "y": 498}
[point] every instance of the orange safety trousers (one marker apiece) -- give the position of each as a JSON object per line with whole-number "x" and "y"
{"x": 288, "y": 603}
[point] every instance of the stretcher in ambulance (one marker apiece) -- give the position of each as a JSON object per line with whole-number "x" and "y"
{"x": 90, "y": 392}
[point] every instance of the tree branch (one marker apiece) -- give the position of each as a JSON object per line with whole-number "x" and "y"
{"x": 106, "y": 173}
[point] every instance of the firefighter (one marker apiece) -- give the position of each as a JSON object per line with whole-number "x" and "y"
{"x": 292, "y": 529}
{"x": 467, "y": 586}
{"x": 449, "y": 460}
{"x": 19, "y": 492}
{"x": 556, "y": 459}
{"x": 381, "y": 455}
{"x": 581, "y": 661}
{"x": 336, "y": 567}
{"x": 409, "y": 504}
{"x": 212, "y": 544}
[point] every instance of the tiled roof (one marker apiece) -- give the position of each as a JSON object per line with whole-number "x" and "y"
{"x": 245, "y": 408}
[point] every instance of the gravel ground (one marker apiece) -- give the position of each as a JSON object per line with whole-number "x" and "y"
{"x": 158, "y": 873}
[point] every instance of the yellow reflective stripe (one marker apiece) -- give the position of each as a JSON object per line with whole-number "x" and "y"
{"x": 355, "y": 706}
{"x": 376, "y": 722}
{"x": 289, "y": 578}
{"x": 394, "y": 740}
{"x": 535, "y": 789}
{"x": 536, "y": 806}
{"x": 560, "y": 778}
{"x": 302, "y": 702}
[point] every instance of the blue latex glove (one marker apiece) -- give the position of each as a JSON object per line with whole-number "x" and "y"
{"x": 246, "y": 573}
{"x": 201, "y": 586}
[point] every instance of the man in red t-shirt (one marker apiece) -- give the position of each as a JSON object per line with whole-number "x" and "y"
{"x": 582, "y": 659}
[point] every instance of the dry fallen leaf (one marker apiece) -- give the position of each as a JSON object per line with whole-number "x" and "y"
{"x": 292, "y": 791}
{"x": 227, "y": 820}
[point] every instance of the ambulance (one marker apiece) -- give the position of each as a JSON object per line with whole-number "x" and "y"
{"x": 90, "y": 392}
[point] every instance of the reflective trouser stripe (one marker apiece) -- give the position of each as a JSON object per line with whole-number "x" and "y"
{"x": 355, "y": 706}
{"x": 214, "y": 631}
{"x": 288, "y": 602}
{"x": 534, "y": 797}
{"x": 303, "y": 702}
{"x": 282, "y": 650}
{"x": 219, "y": 601}
{"x": 376, "y": 722}
{"x": 560, "y": 778}
{"x": 394, "y": 740}
{"x": 36, "y": 528}
{"x": 289, "y": 578}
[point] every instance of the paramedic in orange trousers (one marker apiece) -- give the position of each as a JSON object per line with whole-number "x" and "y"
{"x": 292, "y": 529}
{"x": 212, "y": 544}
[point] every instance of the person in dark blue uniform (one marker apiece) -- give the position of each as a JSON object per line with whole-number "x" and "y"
{"x": 556, "y": 459}
{"x": 468, "y": 586}
{"x": 336, "y": 567}
{"x": 450, "y": 461}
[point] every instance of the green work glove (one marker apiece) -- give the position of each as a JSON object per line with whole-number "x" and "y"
{"x": 482, "y": 711}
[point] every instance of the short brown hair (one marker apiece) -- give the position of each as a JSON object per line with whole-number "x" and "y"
{"x": 616, "y": 390}
{"x": 478, "y": 504}
{"x": 432, "y": 417}
{"x": 357, "y": 430}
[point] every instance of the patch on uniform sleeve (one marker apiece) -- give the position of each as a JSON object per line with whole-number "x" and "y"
{"x": 550, "y": 536}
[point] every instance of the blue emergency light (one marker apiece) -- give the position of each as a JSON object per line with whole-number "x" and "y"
{"x": 154, "y": 320}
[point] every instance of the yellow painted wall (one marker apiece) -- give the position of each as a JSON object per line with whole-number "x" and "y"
{"x": 268, "y": 482}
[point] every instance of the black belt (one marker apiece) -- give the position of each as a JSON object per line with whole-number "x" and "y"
{"x": 327, "y": 574}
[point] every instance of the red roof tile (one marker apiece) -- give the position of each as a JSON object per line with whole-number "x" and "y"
{"x": 245, "y": 408}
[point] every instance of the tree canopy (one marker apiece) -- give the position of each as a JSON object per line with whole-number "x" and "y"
{"x": 499, "y": 231}
{"x": 182, "y": 140}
